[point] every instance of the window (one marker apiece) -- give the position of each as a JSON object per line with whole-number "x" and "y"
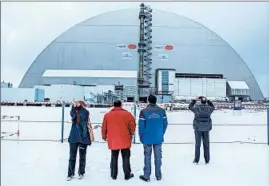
{"x": 165, "y": 80}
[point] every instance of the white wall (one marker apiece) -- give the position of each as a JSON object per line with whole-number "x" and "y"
{"x": 172, "y": 77}
{"x": 159, "y": 81}
{"x": 200, "y": 87}
{"x": 63, "y": 92}
{"x": 220, "y": 87}
{"x": 210, "y": 85}
{"x": 196, "y": 87}
{"x": 182, "y": 87}
{"x": 18, "y": 94}
{"x": 70, "y": 92}
{"x": 91, "y": 73}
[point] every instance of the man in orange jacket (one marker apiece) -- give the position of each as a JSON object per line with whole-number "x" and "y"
{"x": 118, "y": 128}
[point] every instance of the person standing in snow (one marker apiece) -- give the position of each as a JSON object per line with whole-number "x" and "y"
{"x": 152, "y": 127}
{"x": 118, "y": 128}
{"x": 202, "y": 125}
{"x": 81, "y": 135}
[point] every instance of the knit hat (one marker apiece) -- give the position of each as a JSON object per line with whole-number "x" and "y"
{"x": 203, "y": 100}
{"x": 152, "y": 99}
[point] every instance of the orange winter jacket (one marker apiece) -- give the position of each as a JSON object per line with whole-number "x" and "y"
{"x": 118, "y": 127}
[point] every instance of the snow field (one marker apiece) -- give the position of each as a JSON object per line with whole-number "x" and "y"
{"x": 45, "y": 163}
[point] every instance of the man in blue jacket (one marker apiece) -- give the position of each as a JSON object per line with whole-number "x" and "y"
{"x": 202, "y": 124}
{"x": 152, "y": 126}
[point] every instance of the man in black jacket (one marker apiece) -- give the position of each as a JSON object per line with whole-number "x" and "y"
{"x": 202, "y": 124}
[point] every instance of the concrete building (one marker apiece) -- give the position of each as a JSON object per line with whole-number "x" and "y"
{"x": 102, "y": 51}
{"x": 6, "y": 85}
{"x": 22, "y": 94}
{"x": 55, "y": 93}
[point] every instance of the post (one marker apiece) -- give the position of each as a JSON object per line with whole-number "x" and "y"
{"x": 268, "y": 126}
{"x": 18, "y": 131}
{"x": 134, "y": 139}
{"x": 62, "y": 128}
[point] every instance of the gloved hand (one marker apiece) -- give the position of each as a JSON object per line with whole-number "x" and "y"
{"x": 210, "y": 103}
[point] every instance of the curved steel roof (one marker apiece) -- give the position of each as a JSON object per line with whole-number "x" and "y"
{"x": 92, "y": 43}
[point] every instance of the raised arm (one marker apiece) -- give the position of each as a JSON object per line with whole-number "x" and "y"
{"x": 104, "y": 129}
{"x": 192, "y": 107}
{"x": 131, "y": 124}
{"x": 141, "y": 124}
{"x": 211, "y": 105}
{"x": 72, "y": 112}
{"x": 87, "y": 114}
{"x": 165, "y": 122}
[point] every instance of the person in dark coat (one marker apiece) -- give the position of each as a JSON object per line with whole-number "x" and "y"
{"x": 202, "y": 125}
{"x": 118, "y": 128}
{"x": 152, "y": 127}
{"x": 79, "y": 138}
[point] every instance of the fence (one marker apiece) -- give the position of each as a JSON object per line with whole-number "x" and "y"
{"x": 268, "y": 126}
{"x": 12, "y": 131}
{"x": 53, "y": 124}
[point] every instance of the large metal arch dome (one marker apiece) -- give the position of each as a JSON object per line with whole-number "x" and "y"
{"x": 91, "y": 44}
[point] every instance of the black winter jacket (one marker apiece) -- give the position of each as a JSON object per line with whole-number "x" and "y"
{"x": 202, "y": 115}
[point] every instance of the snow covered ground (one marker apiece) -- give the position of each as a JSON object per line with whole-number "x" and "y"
{"x": 45, "y": 163}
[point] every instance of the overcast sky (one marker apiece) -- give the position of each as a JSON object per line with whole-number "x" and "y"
{"x": 28, "y": 27}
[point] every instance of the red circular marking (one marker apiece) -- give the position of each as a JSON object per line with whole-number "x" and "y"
{"x": 132, "y": 46}
{"x": 169, "y": 47}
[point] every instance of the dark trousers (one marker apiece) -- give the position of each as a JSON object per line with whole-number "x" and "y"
{"x": 199, "y": 136}
{"x": 72, "y": 158}
{"x": 126, "y": 154}
{"x": 157, "y": 150}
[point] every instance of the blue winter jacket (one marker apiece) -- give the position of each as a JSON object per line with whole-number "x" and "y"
{"x": 152, "y": 125}
{"x": 79, "y": 132}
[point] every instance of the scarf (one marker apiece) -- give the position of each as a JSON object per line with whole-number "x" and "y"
{"x": 77, "y": 109}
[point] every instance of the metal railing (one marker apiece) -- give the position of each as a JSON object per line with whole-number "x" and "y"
{"x": 171, "y": 127}
{"x": 176, "y": 132}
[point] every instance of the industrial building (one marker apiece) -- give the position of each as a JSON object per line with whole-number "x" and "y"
{"x": 6, "y": 84}
{"x": 139, "y": 51}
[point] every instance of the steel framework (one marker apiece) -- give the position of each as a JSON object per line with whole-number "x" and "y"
{"x": 145, "y": 51}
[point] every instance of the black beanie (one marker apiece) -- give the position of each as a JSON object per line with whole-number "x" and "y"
{"x": 152, "y": 99}
{"x": 203, "y": 100}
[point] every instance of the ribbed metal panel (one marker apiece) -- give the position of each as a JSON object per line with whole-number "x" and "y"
{"x": 208, "y": 87}
{"x": 92, "y": 44}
